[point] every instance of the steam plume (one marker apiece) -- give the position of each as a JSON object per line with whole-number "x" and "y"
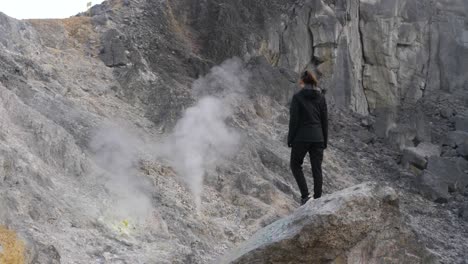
{"x": 202, "y": 139}
{"x": 116, "y": 152}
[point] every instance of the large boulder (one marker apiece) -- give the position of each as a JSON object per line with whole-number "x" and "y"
{"x": 461, "y": 121}
{"x": 361, "y": 224}
{"x": 456, "y": 138}
{"x": 113, "y": 53}
{"x": 401, "y": 136}
{"x": 462, "y": 149}
{"x": 443, "y": 175}
{"x": 417, "y": 156}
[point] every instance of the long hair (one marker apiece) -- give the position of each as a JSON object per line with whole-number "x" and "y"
{"x": 309, "y": 78}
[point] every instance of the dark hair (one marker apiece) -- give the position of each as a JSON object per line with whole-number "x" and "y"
{"x": 309, "y": 78}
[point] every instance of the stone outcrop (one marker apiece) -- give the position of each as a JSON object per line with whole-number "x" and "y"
{"x": 456, "y": 138}
{"x": 461, "y": 122}
{"x": 418, "y": 156}
{"x": 113, "y": 52}
{"x": 370, "y": 54}
{"x": 443, "y": 176}
{"x": 346, "y": 227}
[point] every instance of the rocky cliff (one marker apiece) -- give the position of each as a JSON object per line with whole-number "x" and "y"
{"x": 93, "y": 109}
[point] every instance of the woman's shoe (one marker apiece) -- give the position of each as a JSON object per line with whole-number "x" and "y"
{"x": 304, "y": 200}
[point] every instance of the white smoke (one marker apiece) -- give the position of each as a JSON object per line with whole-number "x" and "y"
{"x": 116, "y": 153}
{"x": 202, "y": 139}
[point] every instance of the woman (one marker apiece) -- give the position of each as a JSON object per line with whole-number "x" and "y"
{"x": 308, "y": 133}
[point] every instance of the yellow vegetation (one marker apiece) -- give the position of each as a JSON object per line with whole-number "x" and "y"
{"x": 79, "y": 28}
{"x": 177, "y": 26}
{"x": 12, "y": 247}
{"x": 79, "y": 31}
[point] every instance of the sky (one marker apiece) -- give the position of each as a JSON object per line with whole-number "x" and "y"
{"x": 22, "y": 9}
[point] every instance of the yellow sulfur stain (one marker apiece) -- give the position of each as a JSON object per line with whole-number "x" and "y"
{"x": 12, "y": 248}
{"x": 123, "y": 227}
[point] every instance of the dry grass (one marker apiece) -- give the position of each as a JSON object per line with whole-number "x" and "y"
{"x": 13, "y": 247}
{"x": 177, "y": 26}
{"x": 79, "y": 32}
{"x": 79, "y": 28}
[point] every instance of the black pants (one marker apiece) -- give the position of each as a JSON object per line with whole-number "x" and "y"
{"x": 298, "y": 152}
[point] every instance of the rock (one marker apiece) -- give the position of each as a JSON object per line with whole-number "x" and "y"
{"x": 412, "y": 156}
{"x": 269, "y": 81}
{"x": 461, "y": 122}
{"x": 463, "y": 212}
{"x": 455, "y": 138}
{"x": 113, "y": 52}
{"x": 401, "y": 136}
{"x": 366, "y": 137}
{"x": 418, "y": 156}
{"x": 365, "y": 122}
{"x": 384, "y": 121}
{"x": 462, "y": 148}
{"x": 447, "y": 112}
{"x": 441, "y": 175}
{"x": 448, "y": 152}
{"x": 345, "y": 227}
{"x": 447, "y": 72}
{"x": 380, "y": 86}
{"x": 421, "y": 125}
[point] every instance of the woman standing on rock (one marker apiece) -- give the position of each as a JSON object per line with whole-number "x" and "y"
{"x": 308, "y": 133}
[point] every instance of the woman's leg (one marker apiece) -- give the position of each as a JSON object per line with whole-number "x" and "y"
{"x": 316, "y": 158}
{"x": 298, "y": 152}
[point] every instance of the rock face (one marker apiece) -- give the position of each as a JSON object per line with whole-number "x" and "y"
{"x": 88, "y": 103}
{"x": 345, "y": 227}
{"x": 372, "y": 54}
{"x": 113, "y": 52}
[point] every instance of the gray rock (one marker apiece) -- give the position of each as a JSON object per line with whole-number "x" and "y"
{"x": 417, "y": 156}
{"x": 433, "y": 188}
{"x": 448, "y": 151}
{"x": 385, "y": 118}
{"x": 441, "y": 175}
{"x": 455, "y": 138}
{"x": 365, "y": 122}
{"x": 366, "y": 137}
{"x": 447, "y": 112}
{"x": 401, "y": 136}
{"x": 113, "y": 52}
{"x": 462, "y": 148}
{"x": 461, "y": 122}
{"x": 380, "y": 87}
{"x": 359, "y": 215}
{"x": 411, "y": 156}
{"x": 463, "y": 212}
{"x": 429, "y": 149}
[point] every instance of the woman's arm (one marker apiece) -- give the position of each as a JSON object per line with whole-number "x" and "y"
{"x": 293, "y": 120}
{"x": 324, "y": 121}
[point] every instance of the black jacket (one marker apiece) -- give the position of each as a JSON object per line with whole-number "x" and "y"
{"x": 308, "y": 117}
